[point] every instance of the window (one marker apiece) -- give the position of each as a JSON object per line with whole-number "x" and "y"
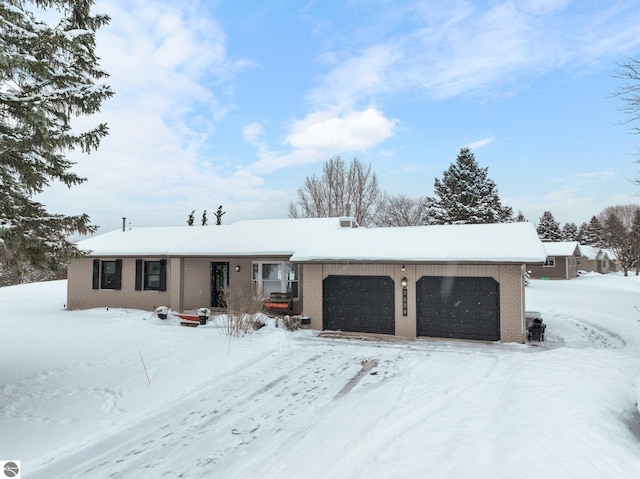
{"x": 604, "y": 263}
{"x": 151, "y": 275}
{"x": 550, "y": 262}
{"x": 276, "y": 277}
{"x": 107, "y": 274}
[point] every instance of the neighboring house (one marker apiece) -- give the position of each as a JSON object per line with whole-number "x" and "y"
{"x": 561, "y": 262}
{"x": 596, "y": 259}
{"x": 458, "y": 281}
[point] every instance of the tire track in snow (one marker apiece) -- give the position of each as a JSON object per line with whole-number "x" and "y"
{"x": 583, "y": 333}
{"x": 272, "y": 462}
{"x": 216, "y": 422}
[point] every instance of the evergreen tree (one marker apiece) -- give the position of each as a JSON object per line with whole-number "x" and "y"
{"x": 592, "y": 232}
{"x": 520, "y": 218}
{"x": 466, "y": 195}
{"x": 48, "y": 74}
{"x": 580, "y": 237}
{"x": 204, "y": 218}
{"x": 191, "y": 219}
{"x": 569, "y": 232}
{"x": 548, "y": 228}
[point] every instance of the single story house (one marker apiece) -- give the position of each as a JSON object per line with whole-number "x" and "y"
{"x": 457, "y": 281}
{"x": 596, "y": 259}
{"x": 561, "y": 261}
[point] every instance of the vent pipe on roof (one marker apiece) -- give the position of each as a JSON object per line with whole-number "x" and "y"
{"x": 124, "y": 223}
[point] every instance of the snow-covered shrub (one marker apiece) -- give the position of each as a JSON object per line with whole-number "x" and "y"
{"x": 291, "y": 323}
{"x": 243, "y": 314}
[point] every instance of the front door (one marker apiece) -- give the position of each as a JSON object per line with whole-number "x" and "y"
{"x": 219, "y": 284}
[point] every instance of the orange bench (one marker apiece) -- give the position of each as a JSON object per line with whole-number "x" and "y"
{"x": 281, "y": 303}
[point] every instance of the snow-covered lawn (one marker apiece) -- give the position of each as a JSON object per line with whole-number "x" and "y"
{"x": 75, "y": 401}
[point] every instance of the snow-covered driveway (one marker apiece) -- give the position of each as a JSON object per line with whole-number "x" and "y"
{"x": 279, "y": 405}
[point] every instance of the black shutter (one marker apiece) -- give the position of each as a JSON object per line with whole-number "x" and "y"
{"x": 138, "y": 275}
{"x": 96, "y": 274}
{"x": 117, "y": 280}
{"x": 163, "y": 275}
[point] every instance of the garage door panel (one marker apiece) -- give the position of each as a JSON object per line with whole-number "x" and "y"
{"x": 467, "y": 315}
{"x": 458, "y": 307}
{"x": 487, "y": 300}
{"x": 467, "y": 302}
{"x": 363, "y": 304}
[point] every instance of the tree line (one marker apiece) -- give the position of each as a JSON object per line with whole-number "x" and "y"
{"x": 616, "y": 228}
{"x": 465, "y": 194}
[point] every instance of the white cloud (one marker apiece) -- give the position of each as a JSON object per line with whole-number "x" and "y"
{"x": 328, "y": 133}
{"x": 252, "y": 132}
{"x": 542, "y": 6}
{"x": 353, "y": 131}
{"x": 357, "y": 77}
{"x": 480, "y": 143}
{"x": 581, "y": 179}
{"x": 463, "y": 47}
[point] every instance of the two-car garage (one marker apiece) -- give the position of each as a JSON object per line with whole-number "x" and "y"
{"x": 446, "y": 306}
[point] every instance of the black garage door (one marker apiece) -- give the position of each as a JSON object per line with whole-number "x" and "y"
{"x": 458, "y": 307}
{"x": 361, "y": 304}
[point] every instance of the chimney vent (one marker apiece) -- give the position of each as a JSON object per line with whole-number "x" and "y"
{"x": 124, "y": 223}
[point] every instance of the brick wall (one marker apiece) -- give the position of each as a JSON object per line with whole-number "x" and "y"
{"x": 81, "y": 295}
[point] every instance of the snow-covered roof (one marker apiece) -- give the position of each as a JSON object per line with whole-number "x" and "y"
{"x": 323, "y": 239}
{"x": 561, "y": 248}
{"x": 594, "y": 253}
{"x": 589, "y": 252}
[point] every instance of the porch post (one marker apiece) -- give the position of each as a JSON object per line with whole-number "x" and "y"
{"x": 176, "y": 283}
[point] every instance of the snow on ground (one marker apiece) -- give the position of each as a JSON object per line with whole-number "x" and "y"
{"x": 75, "y": 400}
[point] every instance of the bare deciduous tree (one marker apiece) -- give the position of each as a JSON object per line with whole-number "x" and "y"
{"x": 401, "y": 210}
{"x": 329, "y": 195}
{"x": 618, "y": 228}
{"x": 629, "y": 93}
{"x": 625, "y": 213}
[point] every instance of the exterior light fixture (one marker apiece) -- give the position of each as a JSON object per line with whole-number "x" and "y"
{"x": 405, "y": 301}
{"x": 237, "y": 268}
{"x": 402, "y": 268}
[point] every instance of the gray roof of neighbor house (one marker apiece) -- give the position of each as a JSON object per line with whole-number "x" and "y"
{"x": 323, "y": 239}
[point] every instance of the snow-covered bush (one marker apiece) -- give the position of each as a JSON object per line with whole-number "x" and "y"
{"x": 291, "y": 323}
{"x": 243, "y": 314}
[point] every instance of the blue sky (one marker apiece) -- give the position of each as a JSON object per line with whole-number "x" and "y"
{"x": 236, "y": 103}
